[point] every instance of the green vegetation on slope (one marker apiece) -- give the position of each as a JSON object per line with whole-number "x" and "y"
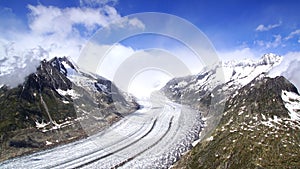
{"x": 255, "y": 131}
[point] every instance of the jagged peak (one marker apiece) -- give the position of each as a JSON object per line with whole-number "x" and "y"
{"x": 62, "y": 64}
{"x": 266, "y": 59}
{"x": 270, "y": 58}
{"x": 65, "y": 59}
{"x": 250, "y": 101}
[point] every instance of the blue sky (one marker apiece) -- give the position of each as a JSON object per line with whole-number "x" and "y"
{"x": 229, "y": 24}
{"x": 232, "y": 23}
{"x": 41, "y": 29}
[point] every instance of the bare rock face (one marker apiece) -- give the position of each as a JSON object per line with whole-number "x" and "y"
{"x": 209, "y": 90}
{"x": 52, "y": 106}
{"x": 257, "y": 129}
{"x": 258, "y": 124}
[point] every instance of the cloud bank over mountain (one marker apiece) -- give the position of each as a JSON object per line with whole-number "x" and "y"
{"x": 289, "y": 68}
{"x": 46, "y": 31}
{"x": 50, "y": 31}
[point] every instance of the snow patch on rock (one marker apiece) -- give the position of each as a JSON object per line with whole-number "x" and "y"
{"x": 292, "y": 103}
{"x": 69, "y": 92}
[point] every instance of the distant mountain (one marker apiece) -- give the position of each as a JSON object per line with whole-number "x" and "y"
{"x": 209, "y": 90}
{"x": 259, "y": 128}
{"x": 226, "y": 76}
{"x": 252, "y": 120}
{"x": 57, "y": 104}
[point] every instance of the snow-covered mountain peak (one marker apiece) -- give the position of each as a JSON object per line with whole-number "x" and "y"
{"x": 64, "y": 65}
{"x": 231, "y": 75}
{"x": 266, "y": 59}
{"x": 270, "y": 59}
{"x": 246, "y": 70}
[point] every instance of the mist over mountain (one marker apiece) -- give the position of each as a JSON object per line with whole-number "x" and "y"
{"x": 251, "y": 119}
{"x": 243, "y": 108}
{"x": 234, "y": 114}
{"x": 289, "y": 68}
{"x": 16, "y": 66}
{"x": 58, "y": 103}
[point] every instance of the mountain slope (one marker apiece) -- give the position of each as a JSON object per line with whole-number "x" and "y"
{"x": 256, "y": 130}
{"x": 56, "y": 104}
{"x": 252, "y": 121}
{"x": 209, "y": 90}
{"x": 227, "y": 76}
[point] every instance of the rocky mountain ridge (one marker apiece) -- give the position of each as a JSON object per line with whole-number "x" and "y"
{"x": 230, "y": 75}
{"x": 253, "y": 121}
{"x": 56, "y": 104}
{"x": 256, "y": 130}
{"x": 209, "y": 90}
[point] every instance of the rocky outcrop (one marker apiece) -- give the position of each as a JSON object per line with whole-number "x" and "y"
{"x": 58, "y": 103}
{"x": 256, "y": 130}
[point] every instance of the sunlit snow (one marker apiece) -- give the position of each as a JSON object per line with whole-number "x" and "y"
{"x": 292, "y": 103}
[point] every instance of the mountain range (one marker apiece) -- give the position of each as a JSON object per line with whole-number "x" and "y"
{"x": 58, "y": 103}
{"x": 252, "y": 120}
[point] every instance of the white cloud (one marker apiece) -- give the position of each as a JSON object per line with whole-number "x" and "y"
{"x": 237, "y": 54}
{"x": 9, "y": 21}
{"x": 293, "y": 34}
{"x": 51, "y": 31}
{"x": 292, "y": 73}
{"x": 53, "y": 20}
{"x": 136, "y": 23}
{"x": 144, "y": 83}
{"x": 262, "y": 27}
{"x": 289, "y": 68}
{"x": 106, "y": 65}
{"x": 270, "y": 44}
{"x": 96, "y": 3}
